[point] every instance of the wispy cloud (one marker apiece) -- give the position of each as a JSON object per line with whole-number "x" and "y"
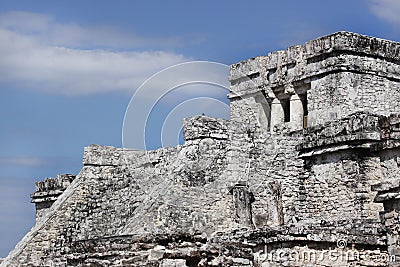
{"x": 38, "y": 53}
{"x": 387, "y": 10}
{"x": 47, "y": 30}
{"x": 22, "y": 161}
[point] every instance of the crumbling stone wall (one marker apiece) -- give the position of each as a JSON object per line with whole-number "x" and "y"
{"x": 120, "y": 192}
{"x": 307, "y": 165}
{"x": 48, "y": 190}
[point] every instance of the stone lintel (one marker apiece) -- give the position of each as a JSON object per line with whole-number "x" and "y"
{"x": 388, "y": 190}
{"x": 51, "y": 196}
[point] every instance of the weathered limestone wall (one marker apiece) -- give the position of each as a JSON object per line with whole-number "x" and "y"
{"x": 388, "y": 193}
{"x": 337, "y": 95}
{"x": 47, "y": 192}
{"x": 326, "y": 79}
{"x": 338, "y": 187}
{"x": 310, "y": 157}
{"x": 390, "y": 164}
{"x": 284, "y": 170}
{"x": 122, "y": 192}
{"x": 343, "y": 160}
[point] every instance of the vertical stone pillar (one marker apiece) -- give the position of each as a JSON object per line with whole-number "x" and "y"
{"x": 242, "y": 199}
{"x": 296, "y": 111}
{"x": 274, "y": 200}
{"x": 277, "y": 113}
{"x": 263, "y": 112}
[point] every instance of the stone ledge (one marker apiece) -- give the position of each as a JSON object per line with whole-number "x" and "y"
{"x": 187, "y": 245}
{"x": 382, "y": 197}
{"x": 339, "y": 41}
{"x": 46, "y": 196}
{"x": 111, "y": 157}
{"x": 386, "y": 185}
{"x": 50, "y": 188}
{"x": 96, "y": 155}
{"x": 351, "y": 232}
{"x": 359, "y": 130}
{"x": 387, "y": 190}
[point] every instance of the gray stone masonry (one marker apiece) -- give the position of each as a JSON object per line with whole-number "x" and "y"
{"x": 306, "y": 172}
{"x": 47, "y": 192}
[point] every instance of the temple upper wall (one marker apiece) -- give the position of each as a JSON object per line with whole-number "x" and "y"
{"x": 324, "y": 79}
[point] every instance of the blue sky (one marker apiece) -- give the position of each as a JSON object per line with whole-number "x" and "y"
{"x": 69, "y": 68}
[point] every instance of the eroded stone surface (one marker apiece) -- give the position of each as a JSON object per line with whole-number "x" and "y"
{"x": 307, "y": 166}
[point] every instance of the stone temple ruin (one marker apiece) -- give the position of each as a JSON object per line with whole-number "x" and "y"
{"x": 305, "y": 173}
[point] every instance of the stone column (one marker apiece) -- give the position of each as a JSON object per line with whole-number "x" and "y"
{"x": 274, "y": 200}
{"x": 296, "y": 111}
{"x": 277, "y": 113}
{"x": 242, "y": 199}
{"x": 263, "y": 112}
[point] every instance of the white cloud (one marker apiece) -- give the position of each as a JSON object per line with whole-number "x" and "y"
{"x": 387, "y": 10}
{"x": 22, "y": 161}
{"x": 39, "y": 54}
{"x": 47, "y": 30}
